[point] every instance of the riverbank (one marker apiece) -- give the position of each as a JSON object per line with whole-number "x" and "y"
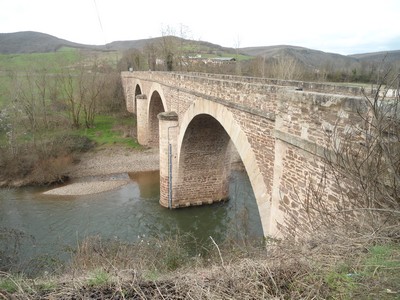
{"x": 114, "y": 160}
{"x": 356, "y": 268}
{"x": 93, "y": 172}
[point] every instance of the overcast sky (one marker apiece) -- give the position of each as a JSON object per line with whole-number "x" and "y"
{"x": 339, "y": 26}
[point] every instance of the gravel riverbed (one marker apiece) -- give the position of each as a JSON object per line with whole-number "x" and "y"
{"x": 95, "y": 169}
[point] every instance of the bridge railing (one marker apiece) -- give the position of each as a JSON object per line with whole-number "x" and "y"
{"x": 304, "y": 85}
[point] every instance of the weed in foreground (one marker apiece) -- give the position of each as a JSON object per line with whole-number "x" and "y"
{"x": 99, "y": 278}
{"x": 15, "y": 285}
{"x": 9, "y": 285}
{"x": 287, "y": 269}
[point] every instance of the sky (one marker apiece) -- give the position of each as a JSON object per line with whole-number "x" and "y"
{"x": 337, "y": 26}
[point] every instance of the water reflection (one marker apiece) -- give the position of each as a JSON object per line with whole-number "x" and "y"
{"x": 148, "y": 182}
{"x": 54, "y": 223}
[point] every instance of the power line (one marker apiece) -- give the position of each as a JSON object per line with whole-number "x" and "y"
{"x": 101, "y": 25}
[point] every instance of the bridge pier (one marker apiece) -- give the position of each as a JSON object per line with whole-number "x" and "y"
{"x": 168, "y": 134}
{"x": 141, "y": 117}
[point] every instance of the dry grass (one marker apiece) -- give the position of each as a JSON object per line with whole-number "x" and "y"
{"x": 332, "y": 264}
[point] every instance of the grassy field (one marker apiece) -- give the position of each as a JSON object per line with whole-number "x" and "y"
{"x": 25, "y": 63}
{"x": 111, "y": 130}
{"x": 51, "y": 61}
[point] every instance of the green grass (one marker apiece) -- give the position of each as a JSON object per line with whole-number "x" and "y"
{"x": 381, "y": 272}
{"x": 383, "y": 256}
{"x": 99, "y": 278}
{"x": 9, "y": 285}
{"x": 5, "y": 82}
{"x": 14, "y": 283}
{"x": 375, "y": 276}
{"x": 110, "y": 130}
{"x": 51, "y": 61}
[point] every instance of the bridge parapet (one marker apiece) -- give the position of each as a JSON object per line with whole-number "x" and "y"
{"x": 303, "y": 85}
{"x": 320, "y": 87}
{"x": 245, "y": 94}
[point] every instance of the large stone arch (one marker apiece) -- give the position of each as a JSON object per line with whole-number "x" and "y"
{"x": 204, "y": 165}
{"x": 238, "y": 137}
{"x": 156, "y": 104}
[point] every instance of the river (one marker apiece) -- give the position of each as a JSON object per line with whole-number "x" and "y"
{"x": 35, "y": 227}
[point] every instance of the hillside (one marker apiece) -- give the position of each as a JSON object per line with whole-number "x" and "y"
{"x": 36, "y": 42}
{"x": 33, "y": 42}
{"x": 198, "y": 46}
{"x": 309, "y": 57}
{"x": 388, "y": 56}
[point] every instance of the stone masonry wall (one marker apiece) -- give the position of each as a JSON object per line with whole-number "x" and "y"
{"x": 286, "y": 123}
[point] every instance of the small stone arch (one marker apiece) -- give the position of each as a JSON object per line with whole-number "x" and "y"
{"x": 137, "y": 91}
{"x": 156, "y": 105}
{"x": 240, "y": 141}
{"x": 138, "y": 87}
{"x": 156, "y": 87}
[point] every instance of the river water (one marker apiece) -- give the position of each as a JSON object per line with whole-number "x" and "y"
{"x": 33, "y": 225}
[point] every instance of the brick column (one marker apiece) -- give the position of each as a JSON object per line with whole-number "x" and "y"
{"x": 168, "y": 134}
{"x": 142, "y": 120}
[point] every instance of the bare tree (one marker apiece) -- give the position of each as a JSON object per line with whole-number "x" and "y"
{"x": 90, "y": 88}
{"x": 238, "y": 69}
{"x": 67, "y": 84}
{"x": 150, "y": 51}
{"x": 287, "y": 68}
{"x": 169, "y": 47}
{"x": 133, "y": 58}
{"x": 256, "y": 67}
{"x": 32, "y": 92}
{"x": 82, "y": 89}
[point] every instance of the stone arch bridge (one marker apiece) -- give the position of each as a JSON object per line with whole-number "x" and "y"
{"x": 199, "y": 121}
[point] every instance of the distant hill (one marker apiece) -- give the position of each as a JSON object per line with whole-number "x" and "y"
{"x": 31, "y": 42}
{"x": 308, "y": 57}
{"x": 200, "y": 46}
{"x": 388, "y": 56}
{"x": 34, "y": 42}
